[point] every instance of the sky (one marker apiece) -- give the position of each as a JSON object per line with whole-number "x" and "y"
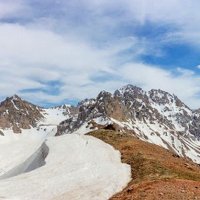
{"x": 62, "y": 51}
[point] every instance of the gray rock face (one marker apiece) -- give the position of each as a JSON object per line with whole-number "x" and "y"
{"x": 154, "y": 116}
{"x": 18, "y": 114}
{"x": 132, "y": 105}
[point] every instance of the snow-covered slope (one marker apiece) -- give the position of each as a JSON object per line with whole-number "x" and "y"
{"x": 155, "y": 116}
{"x": 18, "y": 152}
{"x": 77, "y": 167}
{"x": 52, "y": 117}
{"x": 55, "y": 115}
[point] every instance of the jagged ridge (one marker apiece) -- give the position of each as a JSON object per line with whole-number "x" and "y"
{"x": 154, "y": 116}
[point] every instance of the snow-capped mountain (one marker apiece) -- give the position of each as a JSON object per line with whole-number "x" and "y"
{"x": 18, "y": 116}
{"x": 35, "y": 157}
{"x": 154, "y": 116}
{"x": 31, "y": 158}
{"x": 71, "y": 166}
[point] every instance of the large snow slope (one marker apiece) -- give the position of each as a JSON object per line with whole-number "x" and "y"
{"x": 18, "y": 152}
{"x": 76, "y": 167}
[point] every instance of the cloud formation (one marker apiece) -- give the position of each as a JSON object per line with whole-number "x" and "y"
{"x": 54, "y": 51}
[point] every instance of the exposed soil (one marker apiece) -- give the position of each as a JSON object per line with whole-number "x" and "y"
{"x": 173, "y": 189}
{"x": 157, "y": 173}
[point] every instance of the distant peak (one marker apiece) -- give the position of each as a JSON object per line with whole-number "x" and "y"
{"x": 103, "y": 94}
{"x": 16, "y": 97}
{"x": 130, "y": 88}
{"x": 86, "y": 102}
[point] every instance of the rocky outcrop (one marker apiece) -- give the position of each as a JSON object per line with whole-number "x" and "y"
{"x": 132, "y": 104}
{"x": 18, "y": 114}
{"x": 67, "y": 110}
{"x": 154, "y": 116}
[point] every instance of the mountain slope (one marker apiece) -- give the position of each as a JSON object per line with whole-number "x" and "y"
{"x": 20, "y": 116}
{"x": 155, "y": 116}
{"x": 76, "y": 167}
{"x": 156, "y": 173}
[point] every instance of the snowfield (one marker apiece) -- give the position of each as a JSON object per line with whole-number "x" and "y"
{"x": 18, "y": 152}
{"x": 75, "y": 167}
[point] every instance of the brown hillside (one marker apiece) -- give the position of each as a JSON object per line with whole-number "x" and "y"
{"x": 157, "y": 173}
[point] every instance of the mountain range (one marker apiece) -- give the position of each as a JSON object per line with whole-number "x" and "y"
{"x": 153, "y": 116}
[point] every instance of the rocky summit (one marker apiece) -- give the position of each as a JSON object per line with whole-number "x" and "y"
{"x": 154, "y": 116}
{"x": 18, "y": 114}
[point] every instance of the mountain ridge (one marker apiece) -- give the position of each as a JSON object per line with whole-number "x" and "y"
{"x": 154, "y": 116}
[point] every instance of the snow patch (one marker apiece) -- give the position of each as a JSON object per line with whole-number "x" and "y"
{"x": 78, "y": 167}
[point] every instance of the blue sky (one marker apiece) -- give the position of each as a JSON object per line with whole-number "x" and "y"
{"x": 62, "y": 51}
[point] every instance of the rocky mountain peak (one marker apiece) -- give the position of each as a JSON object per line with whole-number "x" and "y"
{"x": 155, "y": 116}
{"x": 131, "y": 89}
{"x": 16, "y": 113}
{"x": 104, "y": 95}
{"x": 86, "y": 102}
{"x": 161, "y": 97}
{"x": 15, "y": 97}
{"x": 167, "y": 100}
{"x": 131, "y": 104}
{"x": 11, "y": 100}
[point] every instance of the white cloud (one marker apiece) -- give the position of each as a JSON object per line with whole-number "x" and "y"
{"x": 30, "y": 58}
{"x": 198, "y": 66}
{"x": 75, "y": 48}
{"x": 183, "y": 83}
{"x": 12, "y": 8}
{"x": 181, "y": 16}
